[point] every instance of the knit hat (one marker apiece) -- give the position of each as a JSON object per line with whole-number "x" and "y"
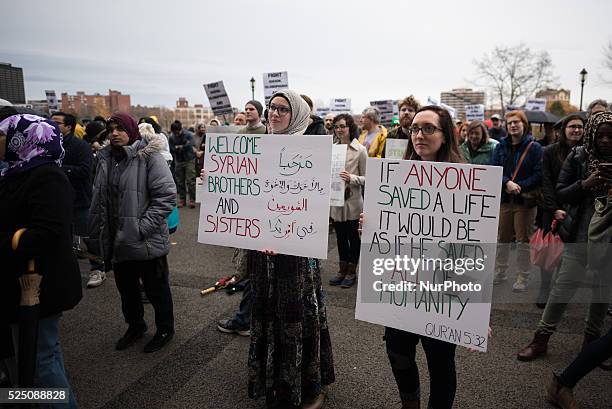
{"x": 257, "y": 106}
{"x": 93, "y": 130}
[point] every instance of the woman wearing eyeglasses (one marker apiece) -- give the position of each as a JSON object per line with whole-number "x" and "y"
{"x": 346, "y": 218}
{"x": 432, "y": 138}
{"x": 290, "y": 357}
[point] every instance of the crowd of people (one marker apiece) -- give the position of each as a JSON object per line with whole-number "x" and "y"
{"x": 110, "y": 196}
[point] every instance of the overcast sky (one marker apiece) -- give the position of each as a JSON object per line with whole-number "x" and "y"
{"x": 157, "y": 51}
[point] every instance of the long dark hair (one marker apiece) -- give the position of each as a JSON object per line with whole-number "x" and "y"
{"x": 564, "y": 147}
{"x": 350, "y": 122}
{"x": 449, "y": 151}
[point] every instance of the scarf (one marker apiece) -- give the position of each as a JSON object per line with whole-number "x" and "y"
{"x": 31, "y": 141}
{"x": 594, "y": 158}
{"x": 300, "y": 112}
{"x": 128, "y": 124}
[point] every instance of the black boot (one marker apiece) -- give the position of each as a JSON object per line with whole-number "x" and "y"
{"x": 133, "y": 334}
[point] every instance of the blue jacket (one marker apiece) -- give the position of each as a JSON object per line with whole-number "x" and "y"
{"x": 529, "y": 176}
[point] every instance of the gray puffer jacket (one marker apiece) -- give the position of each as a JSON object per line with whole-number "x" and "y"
{"x": 147, "y": 195}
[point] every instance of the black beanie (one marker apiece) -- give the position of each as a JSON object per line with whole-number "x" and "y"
{"x": 257, "y": 106}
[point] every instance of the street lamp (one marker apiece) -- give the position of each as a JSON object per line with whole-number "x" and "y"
{"x": 583, "y": 75}
{"x": 253, "y": 88}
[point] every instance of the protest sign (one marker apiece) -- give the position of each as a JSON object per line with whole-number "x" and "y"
{"x": 218, "y": 99}
{"x": 52, "y": 101}
{"x": 322, "y": 112}
{"x": 273, "y": 82}
{"x": 428, "y": 248}
{"x": 452, "y": 111}
{"x": 340, "y": 106}
{"x": 535, "y": 104}
{"x": 338, "y": 185}
{"x": 267, "y": 192}
{"x": 395, "y": 148}
{"x": 386, "y": 110}
{"x": 199, "y": 189}
{"x": 225, "y": 129}
{"x": 474, "y": 112}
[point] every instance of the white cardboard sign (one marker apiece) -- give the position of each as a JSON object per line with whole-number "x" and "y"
{"x": 395, "y": 148}
{"x": 429, "y": 211}
{"x": 340, "y": 106}
{"x": 273, "y": 82}
{"x": 535, "y": 104}
{"x": 218, "y": 99}
{"x": 267, "y": 192}
{"x": 474, "y": 112}
{"x": 338, "y": 185}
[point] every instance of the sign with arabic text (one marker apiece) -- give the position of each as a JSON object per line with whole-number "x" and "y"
{"x": 267, "y": 192}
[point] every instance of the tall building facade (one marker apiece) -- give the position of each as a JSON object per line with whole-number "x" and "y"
{"x": 90, "y": 105}
{"x": 12, "y": 87}
{"x": 458, "y": 98}
{"x": 190, "y": 116}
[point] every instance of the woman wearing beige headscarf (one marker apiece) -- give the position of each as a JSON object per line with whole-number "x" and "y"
{"x": 290, "y": 358}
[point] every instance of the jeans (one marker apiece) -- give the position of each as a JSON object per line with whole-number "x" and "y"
{"x": 154, "y": 274}
{"x": 566, "y": 283}
{"x": 185, "y": 175}
{"x": 592, "y": 355}
{"x": 401, "y": 350}
{"x": 348, "y": 240}
{"x": 514, "y": 221}
{"x": 242, "y": 319}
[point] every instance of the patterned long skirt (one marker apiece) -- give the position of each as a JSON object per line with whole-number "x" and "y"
{"x": 290, "y": 356}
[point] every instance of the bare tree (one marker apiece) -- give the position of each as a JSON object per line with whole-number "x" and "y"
{"x": 514, "y": 72}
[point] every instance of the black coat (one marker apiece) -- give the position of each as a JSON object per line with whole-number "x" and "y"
{"x": 41, "y": 201}
{"x": 551, "y": 167}
{"x": 77, "y": 165}
{"x": 317, "y": 127}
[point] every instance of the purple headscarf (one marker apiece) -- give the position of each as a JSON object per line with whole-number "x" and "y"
{"x": 31, "y": 141}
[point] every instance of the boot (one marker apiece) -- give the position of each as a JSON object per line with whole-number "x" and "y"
{"x": 340, "y": 274}
{"x": 559, "y": 395}
{"x": 351, "y": 276}
{"x": 411, "y": 404}
{"x": 314, "y": 403}
{"x": 536, "y": 348}
{"x": 606, "y": 366}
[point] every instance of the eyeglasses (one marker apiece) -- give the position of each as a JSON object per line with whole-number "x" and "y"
{"x": 341, "y": 126}
{"x": 427, "y": 130}
{"x": 281, "y": 110}
{"x": 575, "y": 127}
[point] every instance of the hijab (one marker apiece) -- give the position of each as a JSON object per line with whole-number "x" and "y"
{"x": 31, "y": 141}
{"x": 594, "y": 157}
{"x": 127, "y": 124}
{"x": 300, "y": 112}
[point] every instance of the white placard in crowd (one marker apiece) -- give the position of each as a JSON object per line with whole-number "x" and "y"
{"x": 336, "y": 196}
{"x": 440, "y": 221}
{"x": 199, "y": 189}
{"x": 218, "y": 98}
{"x": 267, "y": 192}
{"x": 386, "y": 110}
{"x": 474, "y": 112}
{"x": 535, "y": 104}
{"x": 395, "y": 148}
{"x": 322, "y": 112}
{"x": 225, "y": 129}
{"x": 273, "y": 82}
{"x": 452, "y": 111}
{"x": 340, "y": 106}
{"x": 52, "y": 101}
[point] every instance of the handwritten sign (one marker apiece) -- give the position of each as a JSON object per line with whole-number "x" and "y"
{"x": 267, "y": 192}
{"x": 226, "y": 129}
{"x": 474, "y": 112}
{"x": 428, "y": 248}
{"x": 337, "y": 184}
{"x": 199, "y": 190}
{"x": 322, "y": 112}
{"x": 395, "y": 148}
{"x": 340, "y": 106}
{"x": 52, "y": 101}
{"x": 273, "y": 82}
{"x": 218, "y": 99}
{"x": 535, "y": 104}
{"x": 386, "y": 110}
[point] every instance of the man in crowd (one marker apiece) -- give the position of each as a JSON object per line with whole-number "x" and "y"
{"x": 199, "y": 141}
{"x": 373, "y": 134}
{"x": 407, "y": 109}
{"x": 181, "y": 147}
{"x": 77, "y": 165}
{"x": 497, "y": 132}
{"x": 329, "y": 123}
{"x": 253, "y": 111}
{"x": 240, "y": 119}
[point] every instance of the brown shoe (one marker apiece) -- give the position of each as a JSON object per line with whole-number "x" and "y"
{"x": 411, "y": 404}
{"x": 536, "y": 348}
{"x": 191, "y": 204}
{"x": 181, "y": 203}
{"x": 560, "y": 395}
{"x": 314, "y": 403}
{"x": 606, "y": 366}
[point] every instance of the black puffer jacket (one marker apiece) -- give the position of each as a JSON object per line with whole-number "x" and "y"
{"x": 316, "y": 127}
{"x": 577, "y": 201}
{"x": 41, "y": 201}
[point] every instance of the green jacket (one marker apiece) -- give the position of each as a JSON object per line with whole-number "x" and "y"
{"x": 482, "y": 156}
